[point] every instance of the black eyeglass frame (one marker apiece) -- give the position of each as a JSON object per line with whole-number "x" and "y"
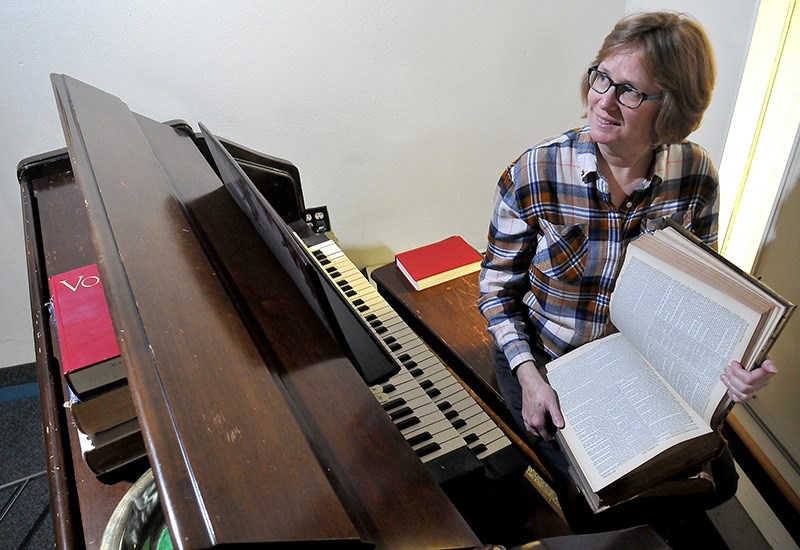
{"x": 619, "y": 89}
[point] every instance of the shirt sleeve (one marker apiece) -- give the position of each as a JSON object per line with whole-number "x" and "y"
{"x": 705, "y": 224}
{"x": 504, "y": 275}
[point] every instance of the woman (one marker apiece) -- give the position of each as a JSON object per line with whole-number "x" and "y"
{"x": 566, "y": 209}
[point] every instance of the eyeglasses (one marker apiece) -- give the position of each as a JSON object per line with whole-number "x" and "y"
{"x": 626, "y": 94}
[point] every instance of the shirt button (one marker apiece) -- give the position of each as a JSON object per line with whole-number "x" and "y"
{"x": 629, "y": 204}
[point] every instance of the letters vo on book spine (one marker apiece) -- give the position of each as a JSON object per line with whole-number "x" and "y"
{"x": 90, "y": 356}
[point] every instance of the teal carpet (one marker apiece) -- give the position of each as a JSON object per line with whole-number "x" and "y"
{"x": 25, "y": 521}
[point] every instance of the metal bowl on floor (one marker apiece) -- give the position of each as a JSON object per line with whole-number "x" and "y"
{"x": 138, "y": 522}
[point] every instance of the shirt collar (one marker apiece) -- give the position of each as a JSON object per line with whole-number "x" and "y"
{"x": 586, "y": 151}
{"x": 586, "y": 154}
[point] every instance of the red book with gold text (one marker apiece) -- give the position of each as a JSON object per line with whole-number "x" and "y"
{"x": 90, "y": 357}
{"x": 438, "y": 262}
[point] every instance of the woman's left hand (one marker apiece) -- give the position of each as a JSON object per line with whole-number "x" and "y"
{"x": 743, "y": 384}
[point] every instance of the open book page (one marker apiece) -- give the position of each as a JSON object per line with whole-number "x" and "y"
{"x": 685, "y": 329}
{"x": 677, "y": 249}
{"x": 619, "y": 412}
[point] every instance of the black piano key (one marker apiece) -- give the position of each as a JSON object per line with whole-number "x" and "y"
{"x": 389, "y": 340}
{"x": 388, "y": 388}
{"x": 371, "y": 317}
{"x": 471, "y": 438}
{"x": 478, "y": 449}
{"x": 401, "y": 413}
{"x": 451, "y": 414}
{"x": 403, "y": 358}
{"x": 416, "y": 372}
{"x": 425, "y": 384}
{"x": 410, "y": 364}
{"x": 460, "y": 423}
{"x": 407, "y": 423}
{"x": 380, "y": 329}
{"x": 350, "y": 293}
{"x": 428, "y": 449}
{"x": 433, "y": 393}
{"x": 394, "y": 403}
{"x": 364, "y": 308}
{"x": 358, "y": 302}
{"x": 395, "y": 346}
{"x": 444, "y": 405}
{"x": 415, "y": 440}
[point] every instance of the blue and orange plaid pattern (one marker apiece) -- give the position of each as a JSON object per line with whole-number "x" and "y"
{"x": 556, "y": 242}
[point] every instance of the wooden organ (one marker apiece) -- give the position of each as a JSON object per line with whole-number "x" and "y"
{"x": 261, "y": 416}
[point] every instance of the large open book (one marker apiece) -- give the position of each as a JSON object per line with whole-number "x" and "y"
{"x": 644, "y": 405}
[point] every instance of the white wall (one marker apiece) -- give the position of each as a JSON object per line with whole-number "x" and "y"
{"x": 399, "y": 115}
{"x": 729, "y": 25}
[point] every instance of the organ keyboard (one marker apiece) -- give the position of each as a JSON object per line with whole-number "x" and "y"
{"x": 433, "y": 411}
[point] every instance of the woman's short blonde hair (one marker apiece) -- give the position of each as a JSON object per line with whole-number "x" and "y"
{"x": 678, "y": 57}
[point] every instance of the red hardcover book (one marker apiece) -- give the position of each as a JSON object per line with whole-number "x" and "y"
{"x": 90, "y": 358}
{"x": 438, "y": 262}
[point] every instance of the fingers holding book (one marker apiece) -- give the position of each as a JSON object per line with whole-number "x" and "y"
{"x": 743, "y": 384}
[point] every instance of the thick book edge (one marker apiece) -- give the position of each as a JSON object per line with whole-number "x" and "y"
{"x": 97, "y": 378}
{"x": 103, "y": 411}
{"x": 672, "y": 472}
{"x": 678, "y": 460}
{"x": 695, "y": 482}
{"x": 112, "y": 449}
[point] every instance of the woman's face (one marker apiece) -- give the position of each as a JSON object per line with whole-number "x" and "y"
{"x": 615, "y": 127}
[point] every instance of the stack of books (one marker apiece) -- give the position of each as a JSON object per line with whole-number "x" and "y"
{"x": 98, "y": 396}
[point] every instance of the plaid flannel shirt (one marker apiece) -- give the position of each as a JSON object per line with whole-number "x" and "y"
{"x": 556, "y": 242}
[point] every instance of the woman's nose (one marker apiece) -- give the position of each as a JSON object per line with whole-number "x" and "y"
{"x": 608, "y": 100}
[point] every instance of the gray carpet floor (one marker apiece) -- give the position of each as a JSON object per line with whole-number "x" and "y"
{"x": 25, "y": 520}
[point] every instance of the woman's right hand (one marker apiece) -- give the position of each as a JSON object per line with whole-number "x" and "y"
{"x": 540, "y": 410}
